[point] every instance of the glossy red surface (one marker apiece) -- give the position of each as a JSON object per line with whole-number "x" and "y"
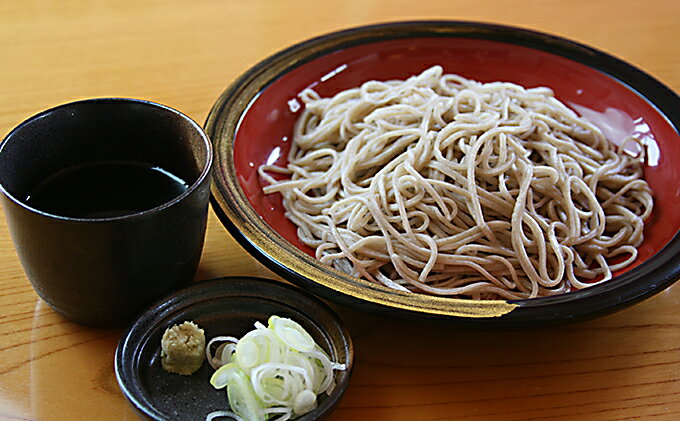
{"x": 265, "y": 130}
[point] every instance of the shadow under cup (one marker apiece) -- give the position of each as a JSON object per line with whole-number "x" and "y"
{"x": 103, "y": 271}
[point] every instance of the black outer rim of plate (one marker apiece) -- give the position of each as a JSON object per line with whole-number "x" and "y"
{"x": 643, "y": 281}
{"x": 127, "y": 354}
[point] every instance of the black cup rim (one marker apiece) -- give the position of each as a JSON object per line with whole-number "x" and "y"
{"x": 199, "y": 181}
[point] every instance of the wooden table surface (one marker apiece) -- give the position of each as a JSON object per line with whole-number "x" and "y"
{"x": 184, "y": 53}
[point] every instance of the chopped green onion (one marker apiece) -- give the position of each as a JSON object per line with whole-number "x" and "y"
{"x": 222, "y": 414}
{"x": 242, "y": 398}
{"x": 292, "y": 334}
{"x": 304, "y": 402}
{"x": 223, "y": 375}
{"x": 272, "y": 371}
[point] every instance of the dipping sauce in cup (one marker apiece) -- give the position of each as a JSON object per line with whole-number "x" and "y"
{"x": 106, "y": 201}
{"x": 105, "y": 189}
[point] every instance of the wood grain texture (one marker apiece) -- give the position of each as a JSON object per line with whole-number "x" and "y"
{"x": 184, "y": 53}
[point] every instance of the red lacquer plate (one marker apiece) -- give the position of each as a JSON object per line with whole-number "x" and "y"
{"x": 251, "y": 124}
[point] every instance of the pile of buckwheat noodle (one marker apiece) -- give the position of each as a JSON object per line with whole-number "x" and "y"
{"x": 447, "y": 186}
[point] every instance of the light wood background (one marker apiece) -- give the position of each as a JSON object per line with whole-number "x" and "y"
{"x": 183, "y": 54}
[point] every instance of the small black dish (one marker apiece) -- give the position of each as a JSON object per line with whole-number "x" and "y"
{"x": 225, "y": 306}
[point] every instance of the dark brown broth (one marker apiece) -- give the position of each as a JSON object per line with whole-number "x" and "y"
{"x": 105, "y": 189}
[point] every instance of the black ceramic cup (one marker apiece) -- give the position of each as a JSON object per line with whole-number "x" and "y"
{"x": 101, "y": 269}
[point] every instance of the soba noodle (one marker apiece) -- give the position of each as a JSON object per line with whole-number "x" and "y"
{"x": 447, "y": 186}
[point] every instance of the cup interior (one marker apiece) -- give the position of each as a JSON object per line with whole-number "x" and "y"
{"x": 101, "y": 130}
